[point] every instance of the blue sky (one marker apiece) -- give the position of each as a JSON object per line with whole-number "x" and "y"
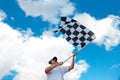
{"x": 33, "y": 19}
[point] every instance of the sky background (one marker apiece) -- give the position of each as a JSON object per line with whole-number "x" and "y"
{"x": 27, "y": 41}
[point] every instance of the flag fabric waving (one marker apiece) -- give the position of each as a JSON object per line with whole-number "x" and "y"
{"x": 75, "y": 33}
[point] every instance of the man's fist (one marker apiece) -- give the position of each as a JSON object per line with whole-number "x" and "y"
{"x": 75, "y": 54}
{"x": 60, "y": 63}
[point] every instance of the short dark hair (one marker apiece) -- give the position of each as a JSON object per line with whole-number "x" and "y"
{"x": 54, "y": 58}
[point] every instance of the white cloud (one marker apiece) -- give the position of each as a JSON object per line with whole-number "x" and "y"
{"x": 10, "y": 48}
{"x": 48, "y": 9}
{"x": 115, "y": 66}
{"x": 29, "y": 55}
{"x": 76, "y": 73}
{"x": 2, "y": 15}
{"x": 107, "y": 30}
{"x": 12, "y": 18}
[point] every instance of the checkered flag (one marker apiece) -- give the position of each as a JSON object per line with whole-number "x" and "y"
{"x": 75, "y": 33}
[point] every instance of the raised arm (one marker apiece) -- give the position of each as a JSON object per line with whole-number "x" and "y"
{"x": 73, "y": 62}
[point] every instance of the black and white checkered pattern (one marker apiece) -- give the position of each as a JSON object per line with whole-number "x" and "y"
{"x": 75, "y": 33}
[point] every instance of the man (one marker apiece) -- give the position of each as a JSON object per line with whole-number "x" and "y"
{"x": 56, "y": 71}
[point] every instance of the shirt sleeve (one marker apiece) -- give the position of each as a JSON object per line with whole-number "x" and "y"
{"x": 65, "y": 69}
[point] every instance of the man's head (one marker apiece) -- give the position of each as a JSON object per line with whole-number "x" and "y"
{"x": 53, "y": 60}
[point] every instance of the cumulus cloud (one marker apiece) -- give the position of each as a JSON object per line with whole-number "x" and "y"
{"x": 115, "y": 66}
{"x": 107, "y": 30}
{"x": 81, "y": 66}
{"x": 2, "y": 15}
{"x": 49, "y": 10}
{"x": 29, "y": 55}
{"x": 10, "y": 48}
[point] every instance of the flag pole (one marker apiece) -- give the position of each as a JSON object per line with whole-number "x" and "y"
{"x": 70, "y": 57}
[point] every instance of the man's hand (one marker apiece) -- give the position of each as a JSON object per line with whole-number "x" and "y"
{"x": 60, "y": 63}
{"x": 75, "y": 54}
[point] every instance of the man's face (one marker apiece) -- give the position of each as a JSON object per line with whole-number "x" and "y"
{"x": 54, "y": 62}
